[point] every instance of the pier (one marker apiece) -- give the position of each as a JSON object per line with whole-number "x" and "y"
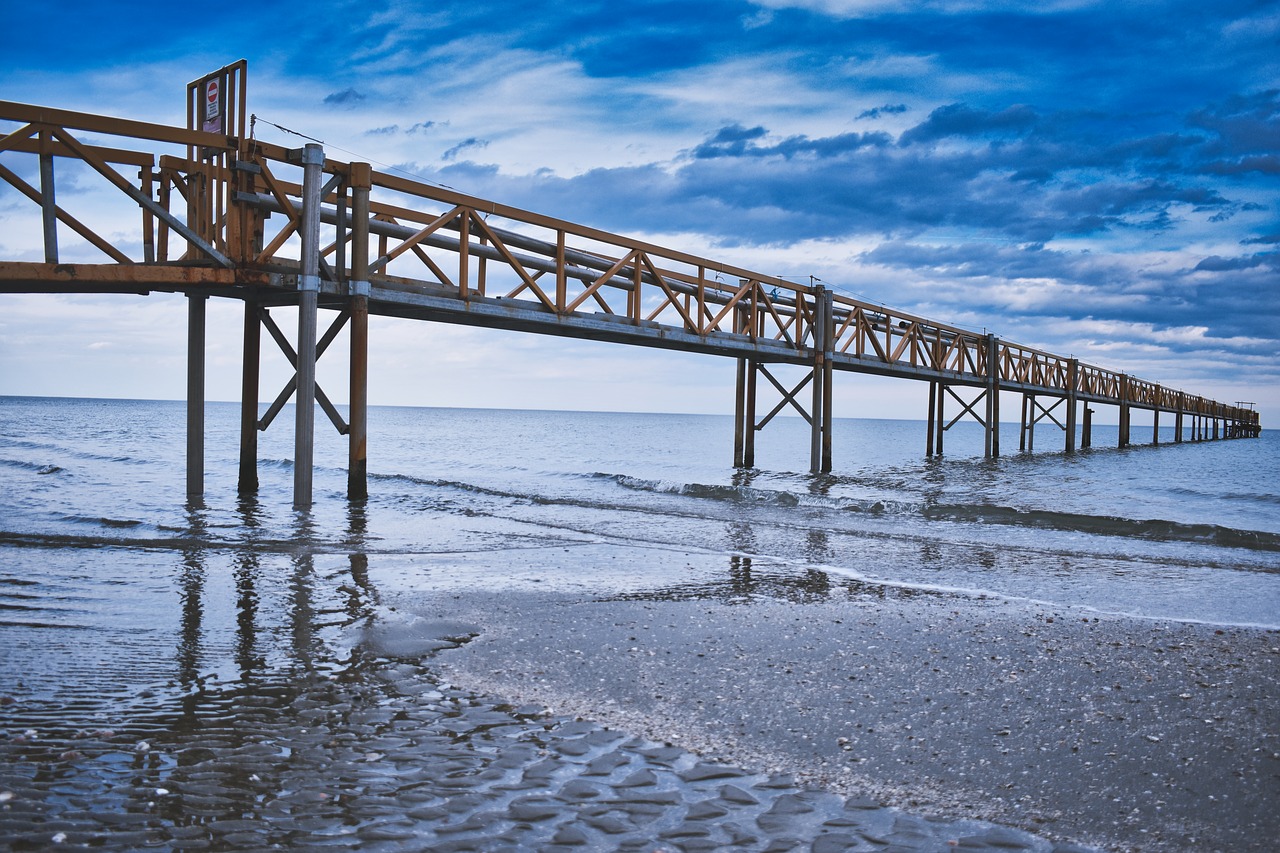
{"x": 208, "y": 211}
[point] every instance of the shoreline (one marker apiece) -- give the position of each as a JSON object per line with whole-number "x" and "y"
{"x": 1124, "y": 734}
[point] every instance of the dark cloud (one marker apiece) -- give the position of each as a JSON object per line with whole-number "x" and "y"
{"x": 470, "y": 142}
{"x": 887, "y": 109}
{"x": 964, "y": 120}
{"x": 345, "y": 98}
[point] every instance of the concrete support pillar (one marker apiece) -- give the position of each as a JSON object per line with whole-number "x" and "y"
{"x": 250, "y": 373}
{"x": 308, "y": 298}
{"x": 357, "y": 436}
{"x": 196, "y": 303}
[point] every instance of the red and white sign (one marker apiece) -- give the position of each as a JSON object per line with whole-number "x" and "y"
{"x": 213, "y": 105}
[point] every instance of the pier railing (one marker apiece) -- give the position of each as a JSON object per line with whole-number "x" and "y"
{"x": 229, "y": 215}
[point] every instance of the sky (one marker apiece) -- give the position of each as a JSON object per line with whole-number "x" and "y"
{"x": 1097, "y": 179}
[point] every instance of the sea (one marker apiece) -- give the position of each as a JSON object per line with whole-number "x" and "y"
{"x": 119, "y": 596}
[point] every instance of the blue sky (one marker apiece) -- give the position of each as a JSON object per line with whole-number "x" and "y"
{"x": 1096, "y": 178}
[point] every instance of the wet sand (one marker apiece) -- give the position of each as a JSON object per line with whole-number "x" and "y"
{"x": 1124, "y": 734}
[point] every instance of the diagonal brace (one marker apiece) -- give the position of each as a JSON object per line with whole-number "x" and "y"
{"x": 292, "y": 385}
{"x": 787, "y": 397}
{"x": 967, "y": 408}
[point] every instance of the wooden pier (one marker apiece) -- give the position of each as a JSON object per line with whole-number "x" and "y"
{"x": 216, "y": 213}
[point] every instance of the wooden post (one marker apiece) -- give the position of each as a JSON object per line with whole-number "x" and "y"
{"x": 1086, "y": 429}
{"x": 357, "y": 438}
{"x": 1155, "y": 426}
{"x": 308, "y": 298}
{"x": 1073, "y": 371}
{"x": 48, "y": 201}
{"x": 250, "y": 373}
{"x": 195, "y": 394}
{"x": 1177, "y": 421}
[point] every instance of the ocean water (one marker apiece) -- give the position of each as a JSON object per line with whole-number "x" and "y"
{"x": 1184, "y": 532}
{"x": 128, "y": 614}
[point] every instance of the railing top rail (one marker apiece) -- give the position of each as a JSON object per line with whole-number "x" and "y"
{"x": 30, "y": 114}
{"x": 441, "y": 194}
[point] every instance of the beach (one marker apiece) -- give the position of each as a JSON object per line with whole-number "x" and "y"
{"x": 1123, "y": 734}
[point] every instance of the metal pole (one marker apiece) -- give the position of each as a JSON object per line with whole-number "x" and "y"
{"x": 828, "y": 369}
{"x": 195, "y": 394}
{"x": 933, "y": 416}
{"x": 1124, "y": 410}
{"x": 749, "y": 428}
{"x": 819, "y": 374}
{"x": 1022, "y": 427}
{"x": 937, "y": 433}
{"x": 739, "y": 413}
{"x": 308, "y": 297}
{"x": 993, "y": 398}
{"x": 357, "y": 446}
{"x": 248, "y": 482}
{"x": 48, "y": 204}
{"x": 1031, "y": 425}
{"x": 1073, "y": 372}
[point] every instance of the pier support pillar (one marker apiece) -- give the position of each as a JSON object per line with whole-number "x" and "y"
{"x": 1124, "y": 410}
{"x": 1177, "y": 427}
{"x": 250, "y": 373}
{"x": 820, "y": 408}
{"x": 1073, "y": 372}
{"x": 749, "y": 412}
{"x": 48, "y": 203}
{"x": 1027, "y": 439}
{"x": 939, "y": 428}
{"x": 196, "y": 303}
{"x": 933, "y": 417}
{"x": 1155, "y": 427}
{"x": 739, "y": 414}
{"x": 308, "y": 297}
{"x": 357, "y": 436}
{"x": 992, "y": 443}
{"x": 1086, "y": 428}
